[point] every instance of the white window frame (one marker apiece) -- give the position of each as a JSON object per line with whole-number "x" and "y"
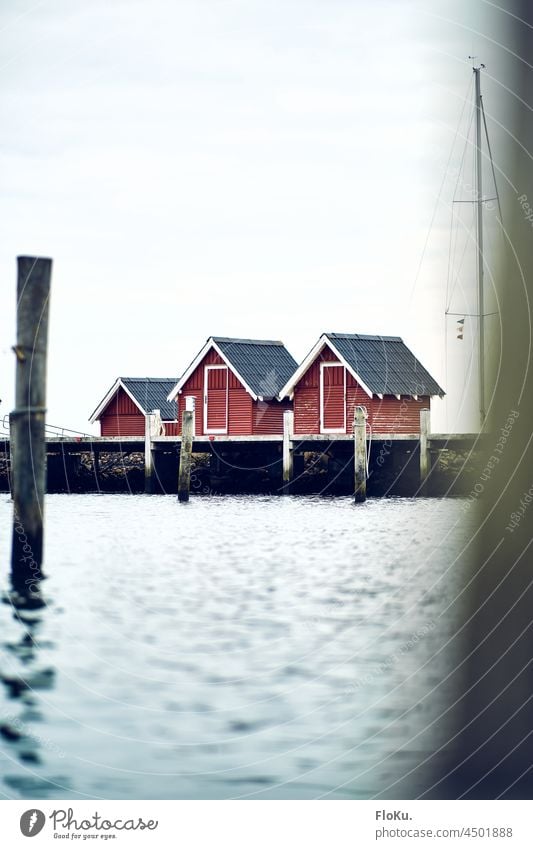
{"x": 206, "y": 385}
{"x": 331, "y": 429}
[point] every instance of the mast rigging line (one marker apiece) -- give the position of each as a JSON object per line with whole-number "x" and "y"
{"x": 483, "y": 200}
{"x": 459, "y": 267}
{"x": 491, "y": 161}
{"x": 480, "y": 254}
{"x": 417, "y": 275}
{"x": 454, "y": 230}
{"x": 471, "y": 314}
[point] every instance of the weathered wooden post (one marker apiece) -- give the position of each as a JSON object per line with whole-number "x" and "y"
{"x": 424, "y": 448}
{"x": 184, "y": 476}
{"x": 288, "y": 427}
{"x": 27, "y": 421}
{"x": 149, "y": 423}
{"x": 96, "y": 465}
{"x": 12, "y": 438}
{"x": 359, "y": 433}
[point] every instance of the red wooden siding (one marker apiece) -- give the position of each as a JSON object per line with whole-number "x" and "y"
{"x": 354, "y": 396}
{"x": 268, "y": 416}
{"x": 171, "y": 428}
{"x": 245, "y": 416}
{"x": 121, "y": 417}
{"x": 240, "y": 408}
{"x": 307, "y": 396}
{"x": 194, "y": 387}
{"x": 306, "y": 409}
{"x": 122, "y": 405}
{"x": 333, "y": 404}
{"x": 217, "y": 399}
{"x": 393, "y": 416}
{"x": 389, "y": 415}
{"x": 241, "y": 417}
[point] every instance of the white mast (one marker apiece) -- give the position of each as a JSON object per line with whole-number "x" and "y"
{"x": 479, "y": 204}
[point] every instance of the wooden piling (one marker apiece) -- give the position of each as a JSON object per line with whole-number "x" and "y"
{"x": 96, "y": 465}
{"x": 27, "y": 421}
{"x": 359, "y": 432}
{"x": 184, "y": 475}
{"x": 12, "y": 440}
{"x": 149, "y": 424}
{"x": 424, "y": 448}
{"x": 288, "y": 427}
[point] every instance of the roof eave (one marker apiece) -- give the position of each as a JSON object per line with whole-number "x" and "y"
{"x": 299, "y": 372}
{"x": 352, "y": 371}
{"x": 324, "y": 339}
{"x": 118, "y": 384}
{"x": 210, "y": 344}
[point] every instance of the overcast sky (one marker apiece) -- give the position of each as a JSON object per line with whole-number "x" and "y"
{"x": 253, "y": 168}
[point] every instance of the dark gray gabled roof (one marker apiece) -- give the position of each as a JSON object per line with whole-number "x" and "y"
{"x": 264, "y": 366}
{"x": 151, "y": 394}
{"x": 385, "y": 364}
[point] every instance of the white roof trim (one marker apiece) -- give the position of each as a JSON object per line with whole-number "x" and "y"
{"x": 310, "y": 358}
{"x": 110, "y": 395}
{"x": 196, "y": 362}
{"x": 288, "y": 389}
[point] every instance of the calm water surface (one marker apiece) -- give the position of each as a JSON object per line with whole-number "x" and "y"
{"x": 256, "y": 647}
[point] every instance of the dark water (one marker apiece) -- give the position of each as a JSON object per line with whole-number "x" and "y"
{"x": 232, "y": 647}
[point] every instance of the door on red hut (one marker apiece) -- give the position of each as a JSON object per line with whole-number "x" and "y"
{"x": 216, "y": 399}
{"x": 332, "y": 398}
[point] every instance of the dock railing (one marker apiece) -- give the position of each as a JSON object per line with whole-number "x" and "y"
{"x": 50, "y": 430}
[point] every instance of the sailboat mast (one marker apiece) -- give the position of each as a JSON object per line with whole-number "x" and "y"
{"x": 479, "y": 205}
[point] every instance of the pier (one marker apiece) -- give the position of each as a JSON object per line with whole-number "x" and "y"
{"x": 395, "y": 463}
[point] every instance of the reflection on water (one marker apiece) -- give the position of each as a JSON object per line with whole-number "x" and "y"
{"x": 258, "y": 647}
{"x": 23, "y": 676}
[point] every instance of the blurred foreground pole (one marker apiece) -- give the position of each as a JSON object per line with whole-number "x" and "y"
{"x": 27, "y": 421}
{"x": 489, "y": 741}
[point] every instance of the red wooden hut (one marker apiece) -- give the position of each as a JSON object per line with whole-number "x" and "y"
{"x": 346, "y": 369}
{"x": 235, "y": 384}
{"x": 123, "y": 410}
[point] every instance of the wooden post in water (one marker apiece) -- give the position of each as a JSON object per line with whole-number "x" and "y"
{"x": 288, "y": 427}
{"x": 359, "y": 433}
{"x": 424, "y": 449}
{"x": 12, "y": 438}
{"x": 184, "y": 476}
{"x": 96, "y": 465}
{"x": 148, "y": 458}
{"x": 27, "y": 421}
